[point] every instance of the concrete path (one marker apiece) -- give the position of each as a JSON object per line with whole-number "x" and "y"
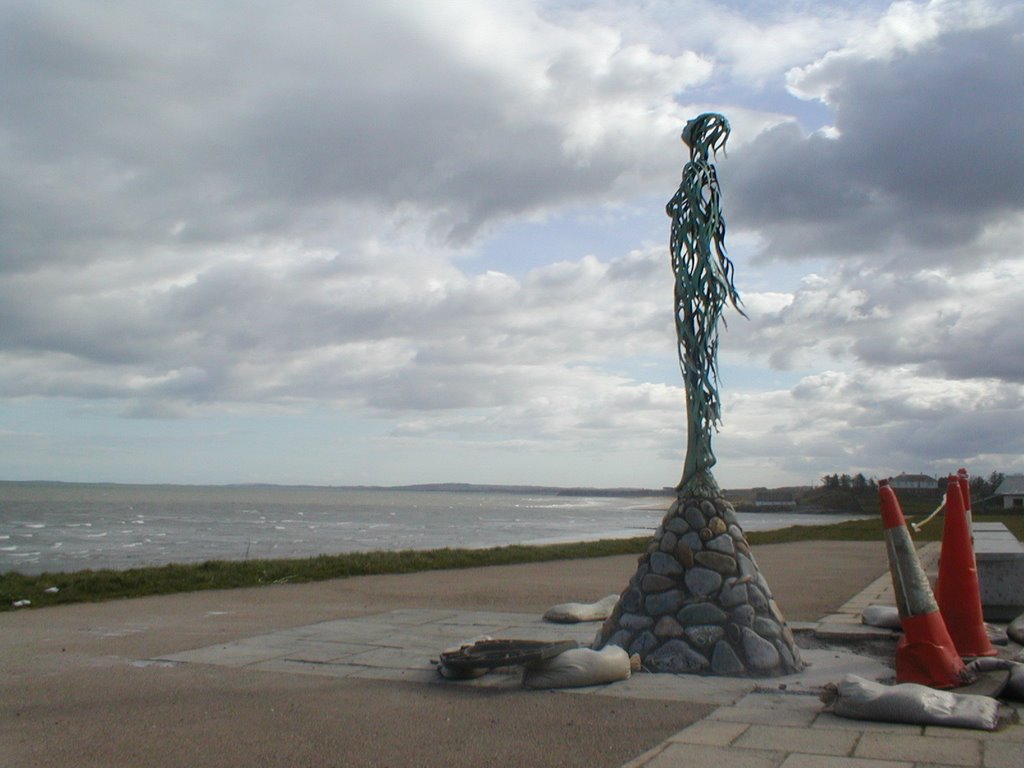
{"x": 756, "y": 723}
{"x": 340, "y": 674}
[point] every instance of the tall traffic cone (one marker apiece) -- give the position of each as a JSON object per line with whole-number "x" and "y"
{"x": 960, "y": 598}
{"x": 925, "y": 654}
{"x": 964, "y": 482}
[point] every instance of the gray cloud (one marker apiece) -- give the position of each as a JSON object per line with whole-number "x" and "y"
{"x": 928, "y": 155}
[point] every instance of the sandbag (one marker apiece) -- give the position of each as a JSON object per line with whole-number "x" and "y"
{"x": 861, "y": 699}
{"x": 570, "y": 613}
{"x": 1016, "y": 630}
{"x": 1014, "y": 688}
{"x": 885, "y": 616}
{"x": 579, "y": 667}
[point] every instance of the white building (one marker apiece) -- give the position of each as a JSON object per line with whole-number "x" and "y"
{"x": 905, "y": 482}
{"x": 1012, "y": 491}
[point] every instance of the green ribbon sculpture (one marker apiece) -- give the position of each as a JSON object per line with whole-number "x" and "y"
{"x": 703, "y": 285}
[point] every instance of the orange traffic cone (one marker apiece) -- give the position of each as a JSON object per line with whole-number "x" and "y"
{"x": 960, "y": 598}
{"x": 925, "y": 654}
{"x": 964, "y": 482}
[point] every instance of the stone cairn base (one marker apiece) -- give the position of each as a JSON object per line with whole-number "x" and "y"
{"x": 698, "y": 603}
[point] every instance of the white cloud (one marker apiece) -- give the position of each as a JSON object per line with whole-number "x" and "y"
{"x": 214, "y": 210}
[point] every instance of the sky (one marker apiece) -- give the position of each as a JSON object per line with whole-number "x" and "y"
{"x": 392, "y": 242}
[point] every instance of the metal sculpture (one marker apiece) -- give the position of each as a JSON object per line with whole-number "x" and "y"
{"x": 703, "y": 285}
{"x": 697, "y": 602}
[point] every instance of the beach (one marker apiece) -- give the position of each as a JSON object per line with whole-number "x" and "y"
{"x": 76, "y": 688}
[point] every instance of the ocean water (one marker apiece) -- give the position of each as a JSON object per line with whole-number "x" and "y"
{"x": 69, "y": 527}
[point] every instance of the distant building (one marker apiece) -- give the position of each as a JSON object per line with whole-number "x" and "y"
{"x": 765, "y": 499}
{"x": 905, "y": 482}
{"x": 1012, "y": 492}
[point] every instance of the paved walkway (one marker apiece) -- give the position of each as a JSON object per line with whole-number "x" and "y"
{"x": 773, "y": 722}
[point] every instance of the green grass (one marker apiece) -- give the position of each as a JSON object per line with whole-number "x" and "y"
{"x": 96, "y": 586}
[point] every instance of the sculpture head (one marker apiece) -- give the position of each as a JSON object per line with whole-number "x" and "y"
{"x": 706, "y": 133}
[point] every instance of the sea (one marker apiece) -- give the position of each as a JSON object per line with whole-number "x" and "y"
{"x": 63, "y": 527}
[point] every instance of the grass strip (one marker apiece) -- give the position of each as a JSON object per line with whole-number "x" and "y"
{"x": 100, "y": 585}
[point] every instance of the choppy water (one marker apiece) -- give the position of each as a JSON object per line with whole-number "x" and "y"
{"x": 68, "y": 527}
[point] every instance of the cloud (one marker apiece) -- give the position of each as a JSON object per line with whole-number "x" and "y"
{"x": 924, "y": 160}
{"x": 202, "y": 126}
{"x": 236, "y": 208}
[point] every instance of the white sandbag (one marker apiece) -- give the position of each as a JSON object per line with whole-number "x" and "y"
{"x": 1016, "y": 630}
{"x": 862, "y": 699}
{"x": 579, "y": 667}
{"x": 570, "y": 613}
{"x": 885, "y": 616}
{"x": 1014, "y": 688}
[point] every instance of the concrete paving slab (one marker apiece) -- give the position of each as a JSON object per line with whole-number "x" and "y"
{"x": 821, "y": 741}
{"x": 964, "y": 751}
{"x": 831, "y": 761}
{"x": 829, "y": 720}
{"x": 703, "y": 756}
{"x": 1003, "y": 754}
{"x": 718, "y": 733}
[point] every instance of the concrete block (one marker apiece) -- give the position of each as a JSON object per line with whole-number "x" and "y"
{"x": 1000, "y": 559}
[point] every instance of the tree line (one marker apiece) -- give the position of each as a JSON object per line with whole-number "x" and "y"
{"x": 980, "y": 487}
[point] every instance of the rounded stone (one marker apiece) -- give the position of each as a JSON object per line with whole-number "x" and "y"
{"x": 701, "y": 613}
{"x": 761, "y": 655}
{"x": 733, "y": 594}
{"x": 727, "y": 513}
{"x": 723, "y": 544}
{"x": 652, "y": 582}
{"x": 704, "y": 635}
{"x": 677, "y": 525}
{"x": 694, "y": 518}
{"x": 668, "y": 542}
{"x": 716, "y": 561}
{"x": 667, "y": 628}
{"x": 644, "y": 644}
{"x": 703, "y": 581}
{"x": 757, "y": 597}
{"x": 623, "y": 638}
{"x": 652, "y": 545}
{"x": 684, "y": 555}
{"x": 665, "y": 565}
{"x": 760, "y": 580}
{"x": 717, "y": 526}
{"x": 743, "y": 548}
{"x": 631, "y": 600}
{"x": 693, "y": 541}
{"x": 724, "y": 660}
{"x": 708, "y": 507}
{"x": 635, "y": 622}
{"x": 767, "y": 628}
{"x": 743, "y": 615}
{"x": 706, "y": 534}
{"x": 737, "y": 533}
{"x": 663, "y": 602}
{"x": 746, "y": 564}
{"x": 789, "y": 661}
{"x": 677, "y": 657}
